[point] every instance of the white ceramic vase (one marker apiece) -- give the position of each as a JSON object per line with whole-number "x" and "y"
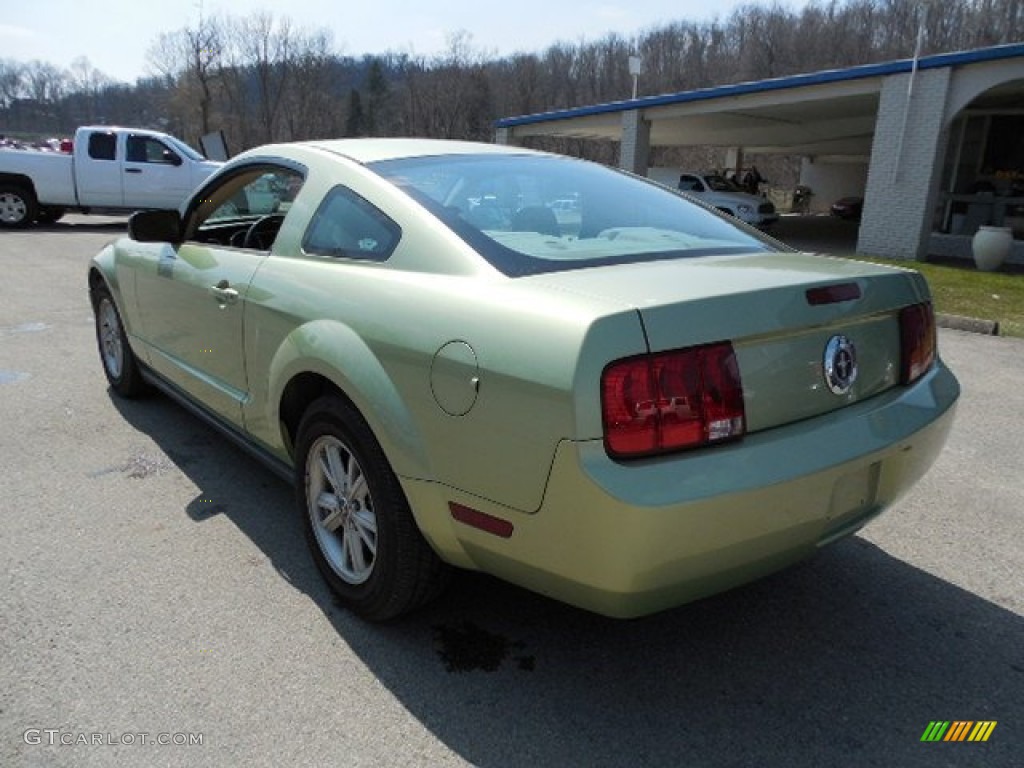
{"x": 991, "y": 246}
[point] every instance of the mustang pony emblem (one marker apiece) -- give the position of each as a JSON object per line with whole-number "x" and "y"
{"x": 840, "y": 364}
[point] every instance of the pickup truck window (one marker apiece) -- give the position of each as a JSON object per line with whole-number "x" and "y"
{"x": 102, "y": 146}
{"x": 143, "y": 149}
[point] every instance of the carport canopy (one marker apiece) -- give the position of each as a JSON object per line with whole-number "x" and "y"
{"x": 833, "y": 112}
{"x": 894, "y": 117}
{"x": 827, "y": 113}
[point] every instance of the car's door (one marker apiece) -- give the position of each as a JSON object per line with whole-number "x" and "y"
{"x": 98, "y": 174}
{"x": 155, "y": 176}
{"x": 192, "y": 299}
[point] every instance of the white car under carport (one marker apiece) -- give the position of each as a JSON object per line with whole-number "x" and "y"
{"x": 719, "y": 192}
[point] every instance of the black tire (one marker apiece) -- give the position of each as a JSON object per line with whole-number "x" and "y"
{"x": 49, "y": 215}
{"x": 356, "y": 518}
{"x": 18, "y": 206}
{"x": 119, "y": 362}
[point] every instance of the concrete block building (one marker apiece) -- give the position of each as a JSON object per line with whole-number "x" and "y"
{"x": 934, "y": 145}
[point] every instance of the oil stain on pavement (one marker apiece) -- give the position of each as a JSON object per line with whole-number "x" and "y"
{"x": 467, "y": 647}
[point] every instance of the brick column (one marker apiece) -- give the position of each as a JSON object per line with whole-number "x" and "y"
{"x": 904, "y": 174}
{"x": 636, "y": 143}
{"x": 504, "y": 136}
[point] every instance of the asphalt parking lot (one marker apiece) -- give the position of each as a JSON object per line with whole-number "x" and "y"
{"x": 156, "y": 588}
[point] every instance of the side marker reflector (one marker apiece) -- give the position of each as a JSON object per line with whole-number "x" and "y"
{"x": 481, "y": 520}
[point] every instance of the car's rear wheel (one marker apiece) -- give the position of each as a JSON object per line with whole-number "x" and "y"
{"x": 18, "y": 207}
{"x": 119, "y": 362}
{"x": 357, "y": 521}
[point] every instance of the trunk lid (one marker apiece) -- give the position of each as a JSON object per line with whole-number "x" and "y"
{"x": 788, "y": 315}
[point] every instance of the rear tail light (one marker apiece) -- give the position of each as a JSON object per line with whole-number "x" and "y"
{"x": 672, "y": 400}
{"x": 917, "y": 341}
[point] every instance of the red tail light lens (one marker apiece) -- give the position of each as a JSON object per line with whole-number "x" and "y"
{"x": 917, "y": 341}
{"x": 673, "y": 400}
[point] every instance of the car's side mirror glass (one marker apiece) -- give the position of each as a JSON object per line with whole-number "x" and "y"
{"x": 155, "y": 227}
{"x": 171, "y": 158}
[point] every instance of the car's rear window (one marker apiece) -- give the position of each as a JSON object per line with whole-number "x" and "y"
{"x": 348, "y": 226}
{"x": 528, "y": 214}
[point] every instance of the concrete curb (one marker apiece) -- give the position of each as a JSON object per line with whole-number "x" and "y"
{"x": 969, "y": 324}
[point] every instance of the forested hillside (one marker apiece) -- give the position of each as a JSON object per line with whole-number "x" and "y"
{"x": 261, "y": 78}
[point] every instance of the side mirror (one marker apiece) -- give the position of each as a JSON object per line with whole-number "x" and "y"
{"x": 155, "y": 227}
{"x": 171, "y": 158}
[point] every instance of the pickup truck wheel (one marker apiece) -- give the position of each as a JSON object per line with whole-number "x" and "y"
{"x": 356, "y": 518}
{"x": 18, "y": 207}
{"x": 119, "y": 363}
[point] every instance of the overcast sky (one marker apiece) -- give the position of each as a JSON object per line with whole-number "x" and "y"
{"x": 116, "y": 34}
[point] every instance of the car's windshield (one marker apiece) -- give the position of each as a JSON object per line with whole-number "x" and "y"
{"x": 721, "y": 184}
{"x": 527, "y": 214}
{"x": 184, "y": 148}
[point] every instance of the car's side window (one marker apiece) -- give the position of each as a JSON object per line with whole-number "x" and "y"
{"x": 143, "y": 149}
{"x": 346, "y": 225}
{"x": 246, "y": 209}
{"x": 689, "y": 184}
{"x": 102, "y": 146}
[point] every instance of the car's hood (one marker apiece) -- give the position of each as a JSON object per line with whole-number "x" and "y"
{"x": 204, "y": 169}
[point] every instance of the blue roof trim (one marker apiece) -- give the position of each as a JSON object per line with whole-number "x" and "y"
{"x": 860, "y": 72}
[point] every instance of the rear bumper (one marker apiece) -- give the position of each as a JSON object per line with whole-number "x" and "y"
{"x": 626, "y": 540}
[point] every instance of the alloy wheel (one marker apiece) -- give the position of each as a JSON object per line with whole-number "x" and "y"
{"x": 341, "y": 509}
{"x": 110, "y": 338}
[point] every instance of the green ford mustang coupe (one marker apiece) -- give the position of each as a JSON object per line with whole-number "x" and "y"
{"x": 491, "y": 358}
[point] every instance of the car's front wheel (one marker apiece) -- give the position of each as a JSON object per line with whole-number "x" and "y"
{"x": 119, "y": 363}
{"x": 357, "y": 521}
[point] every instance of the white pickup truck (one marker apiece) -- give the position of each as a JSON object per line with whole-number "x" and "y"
{"x": 109, "y": 169}
{"x": 719, "y": 193}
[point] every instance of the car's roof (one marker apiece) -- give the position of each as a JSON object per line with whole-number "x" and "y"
{"x": 372, "y": 150}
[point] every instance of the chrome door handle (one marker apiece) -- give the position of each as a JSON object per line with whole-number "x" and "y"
{"x": 223, "y": 293}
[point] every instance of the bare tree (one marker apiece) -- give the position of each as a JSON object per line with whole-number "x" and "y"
{"x": 449, "y": 96}
{"x": 261, "y": 79}
{"x": 191, "y": 57}
{"x": 44, "y": 88}
{"x": 12, "y": 82}
{"x": 266, "y": 48}
{"x": 44, "y": 82}
{"x": 85, "y": 84}
{"x": 314, "y": 109}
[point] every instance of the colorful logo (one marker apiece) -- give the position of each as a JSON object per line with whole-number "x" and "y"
{"x": 958, "y": 730}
